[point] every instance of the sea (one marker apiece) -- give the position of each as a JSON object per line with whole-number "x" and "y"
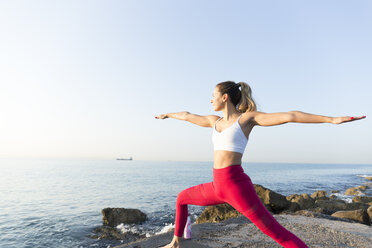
{"x": 58, "y": 202}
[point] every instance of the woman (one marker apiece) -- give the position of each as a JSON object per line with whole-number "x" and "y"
{"x": 230, "y": 136}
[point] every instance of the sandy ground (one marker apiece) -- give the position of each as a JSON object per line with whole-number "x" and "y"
{"x": 240, "y": 232}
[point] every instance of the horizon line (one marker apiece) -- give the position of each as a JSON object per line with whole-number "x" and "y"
{"x": 165, "y": 160}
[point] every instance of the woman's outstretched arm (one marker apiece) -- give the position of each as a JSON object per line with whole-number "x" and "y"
{"x": 302, "y": 117}
{"x": 178, "y": 115}
{"x": 272, "y": 119}
{"x": 203, "y": 121}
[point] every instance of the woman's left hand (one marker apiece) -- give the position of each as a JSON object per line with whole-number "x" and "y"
{"x": 339, "y": 120}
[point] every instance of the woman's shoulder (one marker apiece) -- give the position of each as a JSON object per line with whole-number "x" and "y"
{"x": 248, "y": 117}
{"x": 214, "y": 118}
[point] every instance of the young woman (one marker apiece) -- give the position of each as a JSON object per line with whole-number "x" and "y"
{"x": 230, "y": 136}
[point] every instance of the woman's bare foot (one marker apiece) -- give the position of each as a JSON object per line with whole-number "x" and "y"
{"x": 174, "y": 244}
{"x": 171, "y": 245}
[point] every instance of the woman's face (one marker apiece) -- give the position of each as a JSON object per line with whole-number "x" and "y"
{"x": 217, "y": 100}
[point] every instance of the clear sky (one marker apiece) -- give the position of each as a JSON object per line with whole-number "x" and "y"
{"x": 84, "y": 79}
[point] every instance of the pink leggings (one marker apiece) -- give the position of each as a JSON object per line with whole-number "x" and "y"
{"x": 231, "y": 185}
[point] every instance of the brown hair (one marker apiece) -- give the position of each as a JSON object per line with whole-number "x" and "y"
{"x": 241, "y": 99}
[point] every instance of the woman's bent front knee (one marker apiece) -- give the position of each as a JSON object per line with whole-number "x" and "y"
{"x": 182, "y": 197}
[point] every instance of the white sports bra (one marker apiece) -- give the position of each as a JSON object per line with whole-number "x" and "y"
{"x": 231, "y": 139}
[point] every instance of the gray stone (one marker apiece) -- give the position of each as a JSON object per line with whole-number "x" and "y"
{"x": 339, "y": 205}
{"x": 369, "y": 212}
{"x": 359, "y": 215}
{"x": 304, "y": 201}
{"x": 275, "y": 201}
{"x": 217, "y": 213}
{"x": 356, "y": 190}
{"x": 115, "y": 216}
{"x": 363, "y": 199}
{"x": 320, "y": 195}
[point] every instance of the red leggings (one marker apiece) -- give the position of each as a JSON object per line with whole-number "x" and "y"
{"x": 231, "y": 185}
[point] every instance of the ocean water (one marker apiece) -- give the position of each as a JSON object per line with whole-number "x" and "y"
{"x": 58, "y": 203}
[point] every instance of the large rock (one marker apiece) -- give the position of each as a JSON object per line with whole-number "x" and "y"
{"x": 359, "y": 215}
{"x": 369, "y": 185}
{"x": 330, "y": 206}
{"x": 314, "y": 214}
{"x": 369, "y": 212}
{"x": 321, "y": 210}
{"x": 339, "y": 205}
{"x": 293, "y": 207}
{"x": 275, "y": 201}
{"x": 217, "y": 213}
{"x": 115, "y": 216}
{"x": 304, "y": 201}
{"x": 356, "y": 190}
{"x": 363, "y": 199}
{"x": 320, "y": 195}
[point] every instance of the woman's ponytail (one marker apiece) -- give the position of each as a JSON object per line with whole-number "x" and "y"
{"x": 246, "y": 103}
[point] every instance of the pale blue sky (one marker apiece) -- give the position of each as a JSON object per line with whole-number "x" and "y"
{"x": 84, "y": 79}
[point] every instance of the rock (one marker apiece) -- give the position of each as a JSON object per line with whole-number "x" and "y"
{"x": 369, "y": 212}
{"x": 112, "y": 233}
{"x": 356, "y": 190}
{"x": 356, "y": 205}
{"x": 293, "y": 207}
{"x": 321, "y": 210}
{"x": 315, "y": 213}
{"x": 368, "y": 178}
{"x": 363, "y": 187}
{"x": 332, "y": 206}
{"x": 114, "y": 216}
{"x": 309, "y": 213}
{"x": 359, "y": 215}
{"x": 217, "y": 213}
{"x": 275, "y": 201}
{"x": 106, "y": 232}
{"x": 352, "y": 191}
{"x": 368, "y": 184}
{"x": 363, "y": 199}
{"x": 319, "y": 195}
{"x": 335, "y": 191}
{"x": 333, "y": 197}
{"x": 304, "y": 201}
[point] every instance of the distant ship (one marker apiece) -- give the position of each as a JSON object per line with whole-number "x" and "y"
{"x": 125, "y": 158}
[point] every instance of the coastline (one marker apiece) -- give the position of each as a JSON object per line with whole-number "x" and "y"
{"x": 72, "y": 223}
{"x": 241, "y": 232}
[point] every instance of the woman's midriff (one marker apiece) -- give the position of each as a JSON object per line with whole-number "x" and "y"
{"x": 223, "y": 159}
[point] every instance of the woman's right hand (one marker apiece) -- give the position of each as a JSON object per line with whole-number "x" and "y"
{"x": 163, "y": 116}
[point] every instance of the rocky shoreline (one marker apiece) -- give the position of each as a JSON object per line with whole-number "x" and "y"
{"x": 309, "y": 215}
{"x": 240, "y": 232}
